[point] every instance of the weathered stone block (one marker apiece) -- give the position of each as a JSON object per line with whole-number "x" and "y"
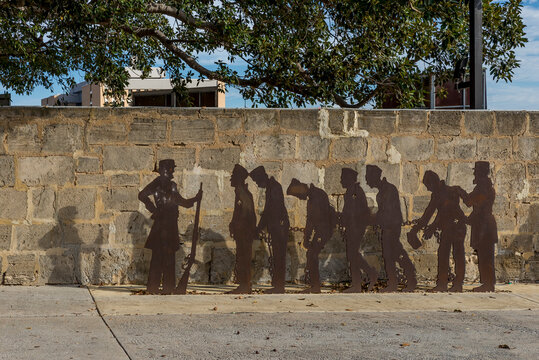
{"x": 62, "y": 138}
{"x": 131, "y": 229}
{"x": 229, "y": 123}
{"x": 275, "y": 147}
{"x": 7, "y": 171}
{"x": 305, "y": 172}
{"x": 410, "y": 178}
{"x": 125, "y": 180}
{"x": 336, "y": 120}
{"x": 184, "y": 158}
{"x": 83, "y": 234}
{"x": 148, "y": 131}
{"x": 528, "y": 148}
{"x": 5, "y": 238}
{"x": 47, "y": 170}
{"x": 57, "y": 269}
{"x": 260, "y": 120}
{"x": 521, "y": 242}
{"x": 494, "y": 148}
{"x": 128, "y": 158}
{"x": 43, "y": 199}
{"x": 412, "y": 121}
{"x": 511, "y": 122}
{"x": 413, "y": 148}
{"x": 332, "y": 178}
{"x": 139, "y": 267}
{"x": 220, "y": 159}
{"x": 313, "y": 148}
{"x": 105, "y": 266}
{"x": 107, "y": 133}
{"x": 211, "y": 200}
{"x": 76, "y": 203}
{"x": 508, "y": 267}
{"x": 534, "y": 122}
{"x": 37, "y": 236}
{"x": 377, "y": 122}
{"x": 91, "y": 180}
{"x": 222, "y": 265}
{"x": 378, "y": 149}
{"x": 461, "y": 174}
{"x": 21, "y": 270}
{"x": 23, "y": 138}
{"x": 445, "y": 122}
{"x": 456, "y": 148}
{"x": 510, "y": 180}
{"x": 192, "y": 131}
{"x": 121, "y": 198}
{"x": 426, "y": 266}
{"x": 300, "y": 120}
{"x": 528, "y": 218}
{"x": 349, "y": 148}
{"x": 87, "y": 164}
{"x": 533, "y": 170}
{"x": 479, "y": 122}
{"x": 13, "y": 204}
{"x": 420, "y": 203}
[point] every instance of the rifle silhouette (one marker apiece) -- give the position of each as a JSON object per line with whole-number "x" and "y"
{"x": 181, "y": 289}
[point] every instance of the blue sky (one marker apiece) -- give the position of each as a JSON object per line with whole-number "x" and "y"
{"x": 521, "y": 94}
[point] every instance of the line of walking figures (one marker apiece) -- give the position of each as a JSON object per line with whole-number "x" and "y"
{"x": 449, "y": 226}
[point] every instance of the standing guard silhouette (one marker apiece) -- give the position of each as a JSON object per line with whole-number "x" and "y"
{"x": 355, "y": 218}
{"x": 242, "y": 228}
{"x": 450, "y": 220}
{"x": 321, "y": 220}
{"x": 484, "y": 229}
{"x": 274, "y": 218}
{"x": 164, "y": 239}
{"x": 389, "y": 218}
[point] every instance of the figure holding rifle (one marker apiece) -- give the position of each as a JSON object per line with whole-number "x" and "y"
{"x": 164, "y": 238}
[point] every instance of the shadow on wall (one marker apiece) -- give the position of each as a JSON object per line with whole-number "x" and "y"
{"x": 517, "y": 257}
{"x": 65, "y": 266}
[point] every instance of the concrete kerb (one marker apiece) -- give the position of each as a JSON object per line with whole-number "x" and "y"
{"x": 119, "y": 300}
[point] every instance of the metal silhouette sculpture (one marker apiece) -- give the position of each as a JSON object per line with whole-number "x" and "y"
{"x": 274, "y": 219}
{"x": 242, "y": 229}
{"x": 321, "y": 220}
{"x": 389, "y": 218}
{"x": 164, "y": 239}
{"x": 484, "y": 229}
{"x": 355, "y": 219}
{"x": 450, "y": 221}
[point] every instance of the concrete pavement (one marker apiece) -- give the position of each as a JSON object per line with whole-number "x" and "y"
{"x": 69, "y": 322}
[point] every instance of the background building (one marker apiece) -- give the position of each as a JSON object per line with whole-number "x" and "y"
{"x": 154, "y": 90}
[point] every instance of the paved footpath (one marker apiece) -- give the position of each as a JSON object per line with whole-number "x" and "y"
{"x": 70, "y": 322}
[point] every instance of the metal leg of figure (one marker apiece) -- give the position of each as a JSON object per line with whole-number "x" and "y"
{"x": 390, "y": 258}
{"x": 169, "y": 272}
{"x": 155, "y": 273}
{"x": 313, "y": 272}
{"x": 485, "y": 257}
{"x": 443, "y": 263}
{"x": 460, "y": 267}
{"x": 279, "y": 241}
{"x": 243, "y": 267}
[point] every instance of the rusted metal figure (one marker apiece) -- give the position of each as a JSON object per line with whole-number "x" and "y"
{"x": 321, "y": 220}
{"x": 274, "y": 219}
{"x": 354, "y": 219}
{"x": 389, "y": 218}
{"x": 164, "y": 239}
{"x": 243, "y": 229}
{"x": 484, "y": 229}
{"x": 450, "y": 220}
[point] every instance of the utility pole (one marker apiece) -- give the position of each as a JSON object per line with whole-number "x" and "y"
{"x": 477, "y": 88}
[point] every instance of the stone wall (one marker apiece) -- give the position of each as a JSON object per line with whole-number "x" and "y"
{"x": 70, "y": 176}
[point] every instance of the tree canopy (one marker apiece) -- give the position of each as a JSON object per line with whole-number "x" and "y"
{"x": 293, "y": 52}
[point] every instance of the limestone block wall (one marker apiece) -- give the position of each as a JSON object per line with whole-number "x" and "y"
{"x": 69, "y": 179}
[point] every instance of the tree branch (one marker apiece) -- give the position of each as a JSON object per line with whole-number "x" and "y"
{"x": 179, "y": 15}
